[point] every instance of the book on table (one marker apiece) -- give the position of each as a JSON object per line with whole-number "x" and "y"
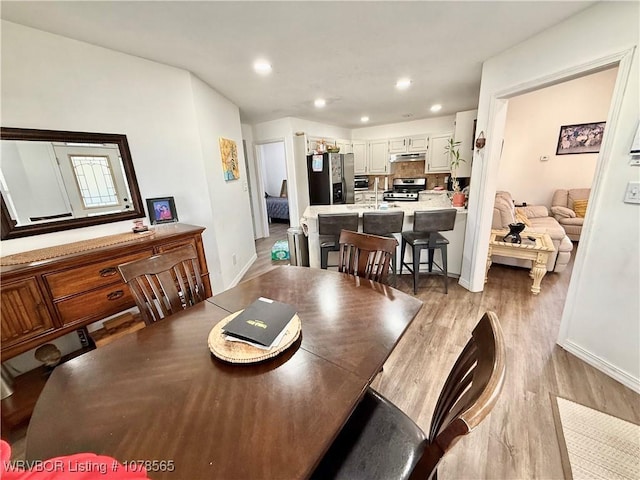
{"x": 261, "y": 324}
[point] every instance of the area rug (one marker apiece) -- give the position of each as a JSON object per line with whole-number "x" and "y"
{"x": 595, "y": 445}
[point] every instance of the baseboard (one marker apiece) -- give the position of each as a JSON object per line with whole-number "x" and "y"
{"x": 464, "y": 283}
{"x": 602, "y": 365}
{"x": 244, "y": 270}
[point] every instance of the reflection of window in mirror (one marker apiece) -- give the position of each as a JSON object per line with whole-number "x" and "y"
{"x": 89, "y": 180}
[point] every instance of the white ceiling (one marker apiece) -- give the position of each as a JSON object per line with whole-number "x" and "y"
{"x": 351, "y": 53}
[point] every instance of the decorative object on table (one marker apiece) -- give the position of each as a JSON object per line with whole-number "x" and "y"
{"x": 280, "y": 250}
{"x": 261, "y": 323}
{"x": 117, "y": 327}
{"x": 229, "y": 154}
{"x": 162, "y": 210}
{"x": 452, "y": 148}
{"x": 48, "y": 354}
{"x": 481, "y": 141}
{"x": 241, "y": 351}
{"x": 139, "y": 226}
{"x": 580, "y": 138}
{"x": 514, "y": 233}
{"x": 333, "y": 149}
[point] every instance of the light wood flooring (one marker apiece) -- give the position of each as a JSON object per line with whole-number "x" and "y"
{"x": 518, "y": 439}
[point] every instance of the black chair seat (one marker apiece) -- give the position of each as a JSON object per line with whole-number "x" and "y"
{"x": 433, "y": 238}
{"x": 378, "y": 442}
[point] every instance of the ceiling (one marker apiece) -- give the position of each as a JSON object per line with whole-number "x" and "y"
{"x": 350, "y": 53}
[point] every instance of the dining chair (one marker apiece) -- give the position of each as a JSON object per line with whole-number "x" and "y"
{"x": 164, "y": 284}
{"x": 381, "y": 442}
{"x": 384, "y": 224}
{"x": 366, "y": 256}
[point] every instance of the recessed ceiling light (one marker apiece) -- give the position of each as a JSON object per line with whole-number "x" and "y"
{"x": 436, "y": 108}
{"x": 262, "y": 67}
{"x": 320, "y": 102}
{"x": 403, "y": 84}
{"x": 364, "y": 119}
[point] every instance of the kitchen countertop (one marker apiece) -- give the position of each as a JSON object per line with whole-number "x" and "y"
{"x": 408, "y": 207}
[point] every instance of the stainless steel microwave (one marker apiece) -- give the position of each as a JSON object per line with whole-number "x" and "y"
{"x": 361, "y": 183}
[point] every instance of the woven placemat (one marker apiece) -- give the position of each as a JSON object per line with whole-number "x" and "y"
{"x": 239, "y": 352}
{"x": 69, "y": 248}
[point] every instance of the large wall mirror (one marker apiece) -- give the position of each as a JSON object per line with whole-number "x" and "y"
{"x": 53, "y": 180}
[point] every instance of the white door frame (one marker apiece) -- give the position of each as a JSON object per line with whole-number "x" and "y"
{"x": 264, "y": 219}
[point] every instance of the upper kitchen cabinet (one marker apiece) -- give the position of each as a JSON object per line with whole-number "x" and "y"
{"x": 313, "y": 142}
{"x": 413, "y": 144}
{"x": 359, "y": 150}
{"x": 438, "y": 158}
{"x": 378, "y": 157}
{"x": 464, "y": 133}
{"x": 345, "y": 146}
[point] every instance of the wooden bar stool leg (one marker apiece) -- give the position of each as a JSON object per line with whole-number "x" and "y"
{"x": 431, "y": 252}
{"x": 402, "y": 250}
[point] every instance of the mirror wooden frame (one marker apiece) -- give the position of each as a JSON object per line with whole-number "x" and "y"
{"x": 9, "y": 230}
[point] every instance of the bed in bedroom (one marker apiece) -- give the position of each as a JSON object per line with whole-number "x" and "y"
{"x": 277, "y": 208}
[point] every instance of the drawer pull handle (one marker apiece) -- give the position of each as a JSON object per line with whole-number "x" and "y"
{"x": 115, "y": 295}
{"x": 108, "y": 272}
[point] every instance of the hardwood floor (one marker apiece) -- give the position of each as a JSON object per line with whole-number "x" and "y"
{"x": 518, "y": 439}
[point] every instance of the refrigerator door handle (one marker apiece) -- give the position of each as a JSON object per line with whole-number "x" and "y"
{"x": 344, "y": 190}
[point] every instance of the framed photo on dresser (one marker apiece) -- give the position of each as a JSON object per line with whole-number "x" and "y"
{"x": 162, "y": 210}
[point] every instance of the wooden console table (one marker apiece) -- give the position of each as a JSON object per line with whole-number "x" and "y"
{"x": 536, "y": 250}
{"x": 46, "y": 299}
{"x": 49, "y": 298}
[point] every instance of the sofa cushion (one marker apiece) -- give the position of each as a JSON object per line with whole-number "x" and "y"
{"x": 548, "y": 225}
{"x": 522, "y": 217}
{"x": 580, "y": 207}
{"x": 577, "y": 194}
{"x": 578, "y": 221}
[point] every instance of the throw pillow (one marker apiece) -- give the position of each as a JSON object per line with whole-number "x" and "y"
{"x": 580, "y": 207}
{"x": 522, "y": 217}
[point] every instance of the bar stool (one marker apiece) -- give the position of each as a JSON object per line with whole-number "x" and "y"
{"x": 425, "y": 234}
{"x": 383, "y": 224}
{"x": 329, "y": 227}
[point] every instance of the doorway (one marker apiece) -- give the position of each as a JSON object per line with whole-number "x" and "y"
{"x": 273, "y": 179}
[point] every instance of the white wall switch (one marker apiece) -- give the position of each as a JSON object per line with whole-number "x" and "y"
{"x": 635, "y": 160}
{"x": 632, "y": 195}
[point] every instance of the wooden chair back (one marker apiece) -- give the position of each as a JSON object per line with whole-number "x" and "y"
{"x": 166, "y": 283}
{"x": 366, "y": 256}
{"x": 468, "y": 395}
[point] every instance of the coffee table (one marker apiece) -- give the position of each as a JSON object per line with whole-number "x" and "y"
{"x": 536, "y": 250}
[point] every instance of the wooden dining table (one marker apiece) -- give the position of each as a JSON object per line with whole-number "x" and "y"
{"x": 159, "y": 398}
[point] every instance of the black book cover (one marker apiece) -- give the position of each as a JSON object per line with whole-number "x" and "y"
{"x": 261, "y": 322}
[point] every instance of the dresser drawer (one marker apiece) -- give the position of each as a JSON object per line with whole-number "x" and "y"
{"x": 88, "y": 277}
{"x": 96, "y": 304}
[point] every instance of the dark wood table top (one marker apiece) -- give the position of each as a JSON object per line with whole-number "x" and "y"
{"x": 159, "y": 394}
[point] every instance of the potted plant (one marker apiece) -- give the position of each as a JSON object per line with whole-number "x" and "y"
{"x": 452, "y": 148}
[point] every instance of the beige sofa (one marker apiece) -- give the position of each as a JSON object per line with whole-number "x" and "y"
{"x": 504, "y": 213}
{"x": 563, "y": 210}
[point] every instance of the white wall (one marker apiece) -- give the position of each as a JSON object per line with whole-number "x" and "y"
{"x": 274, "y": 167}
{"x": 533, "y": 124}
{"x": 600, "y": 321}
{"x": 435, "y": 125}
{"x": 52, "y": 82}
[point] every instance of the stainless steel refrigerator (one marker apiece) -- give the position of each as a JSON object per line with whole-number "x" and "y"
{"x": 330, "y": 178}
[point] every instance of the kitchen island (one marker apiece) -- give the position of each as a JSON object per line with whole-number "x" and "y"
{"x": 309, "y": 222}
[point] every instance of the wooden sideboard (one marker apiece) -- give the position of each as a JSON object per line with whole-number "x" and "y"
{"x": 50, "y": 298}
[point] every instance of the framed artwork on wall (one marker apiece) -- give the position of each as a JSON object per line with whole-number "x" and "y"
{"x": 162, "y": 210}
{"x": 580, "y": 138}
{"x": 229, "y": 154}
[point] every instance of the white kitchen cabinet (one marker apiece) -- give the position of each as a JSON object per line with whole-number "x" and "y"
{"x": 412, "y": 144}
{"x": 438, "y": 158}
{"x": 312, "y": 143}
{"x": 345, "y": 146}
{"x": 359, "y": 150}
{"x": 378, "y": 157}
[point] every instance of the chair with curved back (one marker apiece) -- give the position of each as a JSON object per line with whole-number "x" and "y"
{"x": 164, "y": 284}
{"x": 380, "y": 442}
{"x": 366, "y": 256}
{"x": 384, "y": 224}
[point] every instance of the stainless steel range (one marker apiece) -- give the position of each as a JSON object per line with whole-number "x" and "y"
{"x": 405, "y": 189}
